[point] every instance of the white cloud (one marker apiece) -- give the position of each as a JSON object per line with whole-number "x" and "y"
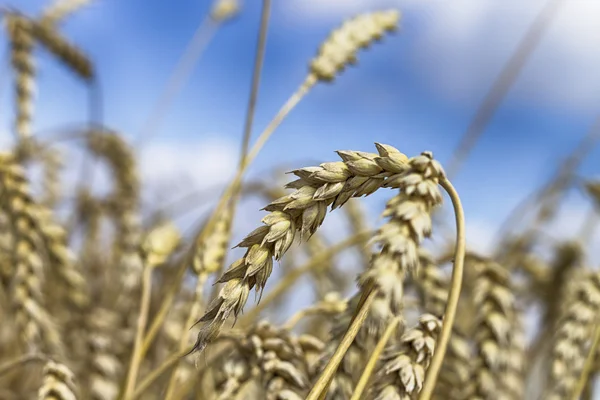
{"x": 461, "y": 45}
{"x": 480, "y": 235}
{"x": 184, "y": 166}
{"x": 326, "y": 9}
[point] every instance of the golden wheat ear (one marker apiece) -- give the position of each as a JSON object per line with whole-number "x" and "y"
{"x": 300, "y": 213}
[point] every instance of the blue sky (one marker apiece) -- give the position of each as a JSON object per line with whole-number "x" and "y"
{"x": 417, "y": 90}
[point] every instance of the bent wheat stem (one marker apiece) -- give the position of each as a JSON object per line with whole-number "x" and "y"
{"x": 453, "y": 295}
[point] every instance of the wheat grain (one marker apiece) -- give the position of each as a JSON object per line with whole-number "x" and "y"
{"x": 6, "y": 246}
{"x": 403, "y": 370}
{"x": 72, "y": 281}
{"x": 59, "y": 383}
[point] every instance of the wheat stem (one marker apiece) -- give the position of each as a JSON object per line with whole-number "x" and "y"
{"x": 453, "y": 295}
{"x": 157, "y": 373}
{"x": 362, "y": 311}
{"x": 170, "y": 363}
{"x": 588, "y": 366}
{"x": 192, "y": 316}
{"x": 256, "y": 74}
{"x": 370, "y": 367}
{"x": 165, "y": 306}
{"x": 137, "y": 356}
{"x": 21, "y": 360}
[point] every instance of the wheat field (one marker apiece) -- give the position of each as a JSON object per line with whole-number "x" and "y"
{"x": 99, "y": 301}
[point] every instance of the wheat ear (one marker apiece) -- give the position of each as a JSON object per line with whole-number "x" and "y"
{"x": 280, "y": 360}
{"x": 304, "y": 210}
{"x": 432, "y": 288}
{"x": 35, "y": 324}
{"x": 66, "y": 52}
{"x": 123, "y": 204}
{"x": 496, "y": 363}
{"x": 104, "y": 366}
{"x": 572, "y": 336}
{"x": 21, "y": 36}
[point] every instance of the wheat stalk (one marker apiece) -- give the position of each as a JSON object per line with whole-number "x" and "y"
{"x": 157, "y": 247}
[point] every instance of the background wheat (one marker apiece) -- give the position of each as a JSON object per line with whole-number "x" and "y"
{"x": 119, "y": 278}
